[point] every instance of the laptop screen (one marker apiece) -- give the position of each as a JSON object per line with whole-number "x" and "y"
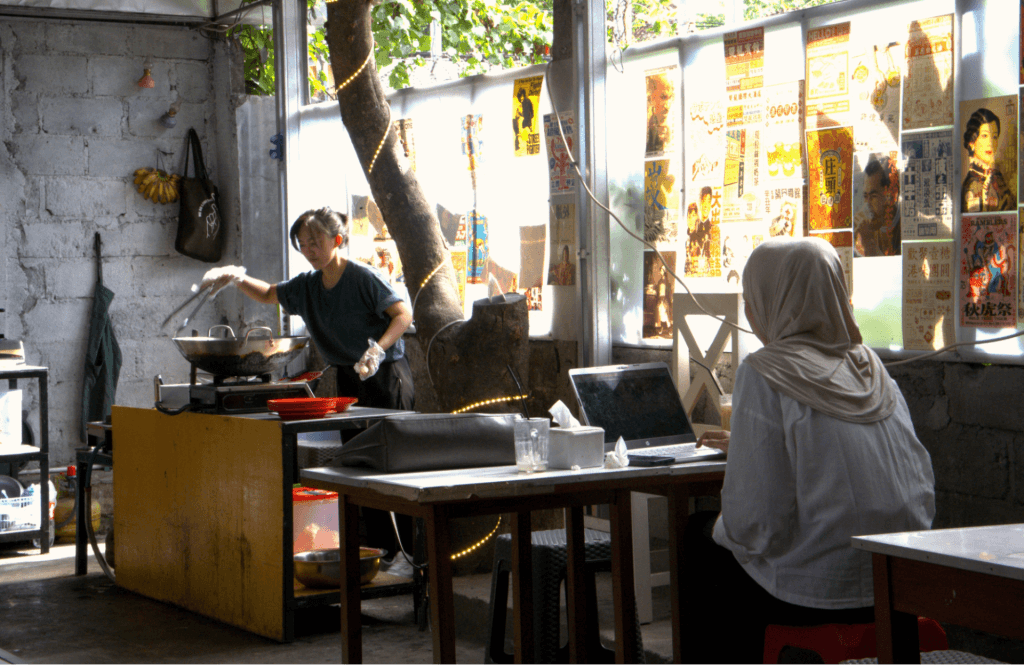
{"x": 637, "y": 402}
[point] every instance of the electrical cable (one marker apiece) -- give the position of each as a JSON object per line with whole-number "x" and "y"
{"x": 593, "y": 198}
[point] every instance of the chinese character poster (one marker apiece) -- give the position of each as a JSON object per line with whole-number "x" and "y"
{"x": 928, "y": 88}
{"x": 703, "y": 224}
{"x": 705, "y": 143}
{"x": 525, "y": 104}
{"x": 830, "y": 165}
{"x": 783, "y": 158}
{"x": 828, "y": 63}
{"x": 875, "y": 83}
{"x": 988, "y": 271}
{"x": 784, "y": 210}
{"x": 477, "y": 248}
{"x": 927, "y": 186}
{"x": 661, "y": 202}
{"x": 928, "y": 317}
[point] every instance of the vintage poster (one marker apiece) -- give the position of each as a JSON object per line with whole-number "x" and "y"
{"x": 828, "y": 63}
{"x": 662, "y": 111}
{"x": 472, "y": 127}
{"x": 928, "y": 86}
{"x": 742, "y": 186}
{"x": 876, "y": 204}
{"x": 705, "y": 143}
{"x": 476, "y": 241}
{"x": 562, "y": 262}
{"x": 928, "y": 319}
{"x": 403, "y": 128}
{"x": 744, "y": 59}
{"x": 661, "y": 201}
{"x": 783, "y": 133}
{"x": 843, "y": 242}
{"x": 784, "y": 211}
{"x": 875, "y": 83}
{"x": 830, "y": 166}
{"x": 927, "y": 207}
{"x": 988, "y": 271}
{"x": 738, "y": 240}
{"x": 703, "y": 238}
{"x": 507, "y": 280}
{"x": 560, "y": 171}
{"x": 459, "y": 264}
{"x": 659, "y": 286}
{"x": 988, "y": 158}
{"x": 531, "y": 256}
{"x": 525, "y": 104}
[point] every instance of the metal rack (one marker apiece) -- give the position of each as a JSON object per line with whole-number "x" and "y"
{"x": 15, "y": 455}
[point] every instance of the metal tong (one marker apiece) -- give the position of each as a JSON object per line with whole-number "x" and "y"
{"x": 205, "y": 292}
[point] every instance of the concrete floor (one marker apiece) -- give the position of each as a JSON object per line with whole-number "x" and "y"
{"x": 51, "y": 616}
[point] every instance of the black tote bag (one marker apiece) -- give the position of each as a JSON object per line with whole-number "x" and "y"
{"x": 200, "y": 226}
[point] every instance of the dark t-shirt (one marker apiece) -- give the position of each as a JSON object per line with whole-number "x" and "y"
{"x": 342, "y": 319}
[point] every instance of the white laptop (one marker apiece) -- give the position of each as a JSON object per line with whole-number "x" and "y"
{"x": 640, "y": 403}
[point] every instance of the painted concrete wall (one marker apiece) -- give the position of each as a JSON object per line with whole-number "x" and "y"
{"x": 74, "y": 127}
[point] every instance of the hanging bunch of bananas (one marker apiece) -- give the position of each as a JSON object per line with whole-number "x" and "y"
{"x": 156, "y": 185}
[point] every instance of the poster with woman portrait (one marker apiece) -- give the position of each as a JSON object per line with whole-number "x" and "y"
{"x": 659, "y": 287}
{"x": 988, "y": 129}
{"x": 988, "y": 271}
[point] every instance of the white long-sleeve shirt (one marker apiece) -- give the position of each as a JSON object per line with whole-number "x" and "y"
{"x": 799, "y": 484}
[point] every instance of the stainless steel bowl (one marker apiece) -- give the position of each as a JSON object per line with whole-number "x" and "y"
{"x": 320, "y": 569}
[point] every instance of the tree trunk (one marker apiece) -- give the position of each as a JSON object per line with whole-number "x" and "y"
{"x": 467, "y": 361}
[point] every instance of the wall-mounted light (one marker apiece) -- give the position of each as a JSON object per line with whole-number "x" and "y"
{"x": 147, "y": 77}
{"x": 167, "y": 119}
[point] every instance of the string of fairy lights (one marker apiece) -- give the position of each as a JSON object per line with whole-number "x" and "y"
{"x": 352, "y": 77}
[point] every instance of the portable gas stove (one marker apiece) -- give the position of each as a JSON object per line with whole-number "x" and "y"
{"x": 228, "y": 395}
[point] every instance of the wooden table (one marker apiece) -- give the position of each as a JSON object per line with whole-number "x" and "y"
{"x": 204, "y": 512}
{"x": 971, "y": 577}
{"x": 441, "y": 496}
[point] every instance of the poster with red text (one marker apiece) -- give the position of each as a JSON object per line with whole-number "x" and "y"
{"x": 928, "y": 317}
{"x": 988, "y": 271}
{"x": 828, "y": 66}
{"x": 830, "y": 168}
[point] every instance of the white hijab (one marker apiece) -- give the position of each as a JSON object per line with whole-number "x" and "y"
{"x": 813, "y": 350}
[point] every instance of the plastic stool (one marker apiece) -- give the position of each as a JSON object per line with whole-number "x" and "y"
{"x": 836, "y": 642}
{"x": 549, "y": 572}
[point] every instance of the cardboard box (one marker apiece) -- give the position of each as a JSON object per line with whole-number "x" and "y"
{"x": 575, "y": 446}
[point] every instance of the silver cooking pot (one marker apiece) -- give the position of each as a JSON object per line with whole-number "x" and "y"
{"x": 248, "y": 356}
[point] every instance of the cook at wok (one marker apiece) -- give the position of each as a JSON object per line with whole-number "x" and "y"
{"x": 351, "y": 312}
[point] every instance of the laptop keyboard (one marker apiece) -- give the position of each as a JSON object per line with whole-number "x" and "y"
{"x": 678, "y": 450}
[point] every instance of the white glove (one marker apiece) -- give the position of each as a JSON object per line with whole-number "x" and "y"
{"x": 222, "y": 277}
{"x": 370, "y": 362}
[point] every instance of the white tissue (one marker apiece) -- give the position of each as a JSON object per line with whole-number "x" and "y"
{"x": 561, "y": 414}
{"x": 617, "y": 458}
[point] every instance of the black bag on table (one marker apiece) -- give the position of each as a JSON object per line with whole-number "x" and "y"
{"x": 200, "y": 227}
{"x": 432, "y": 441}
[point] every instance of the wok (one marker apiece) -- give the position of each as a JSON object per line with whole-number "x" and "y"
{"x": 248, "y": 356}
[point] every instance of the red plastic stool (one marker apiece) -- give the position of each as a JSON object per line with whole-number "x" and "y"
{"x": 836, "y": 642}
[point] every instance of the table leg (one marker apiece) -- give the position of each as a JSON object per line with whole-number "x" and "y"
{"x": 442, "y": 598}
{"x": 624, "y": 595}
{"x": 896, "y": 632}
{"x": 522, "y": 587}
{"x": 575, "y": 586}
{"x": 82, "y": 513}
{"x": 678, "y": 515}
{"x": 351, "y": 620}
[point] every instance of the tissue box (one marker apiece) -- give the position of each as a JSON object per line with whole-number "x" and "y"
{"x": 575, "y": 446}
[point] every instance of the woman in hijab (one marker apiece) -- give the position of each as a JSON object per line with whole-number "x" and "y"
{"x": 822, "y": 448}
